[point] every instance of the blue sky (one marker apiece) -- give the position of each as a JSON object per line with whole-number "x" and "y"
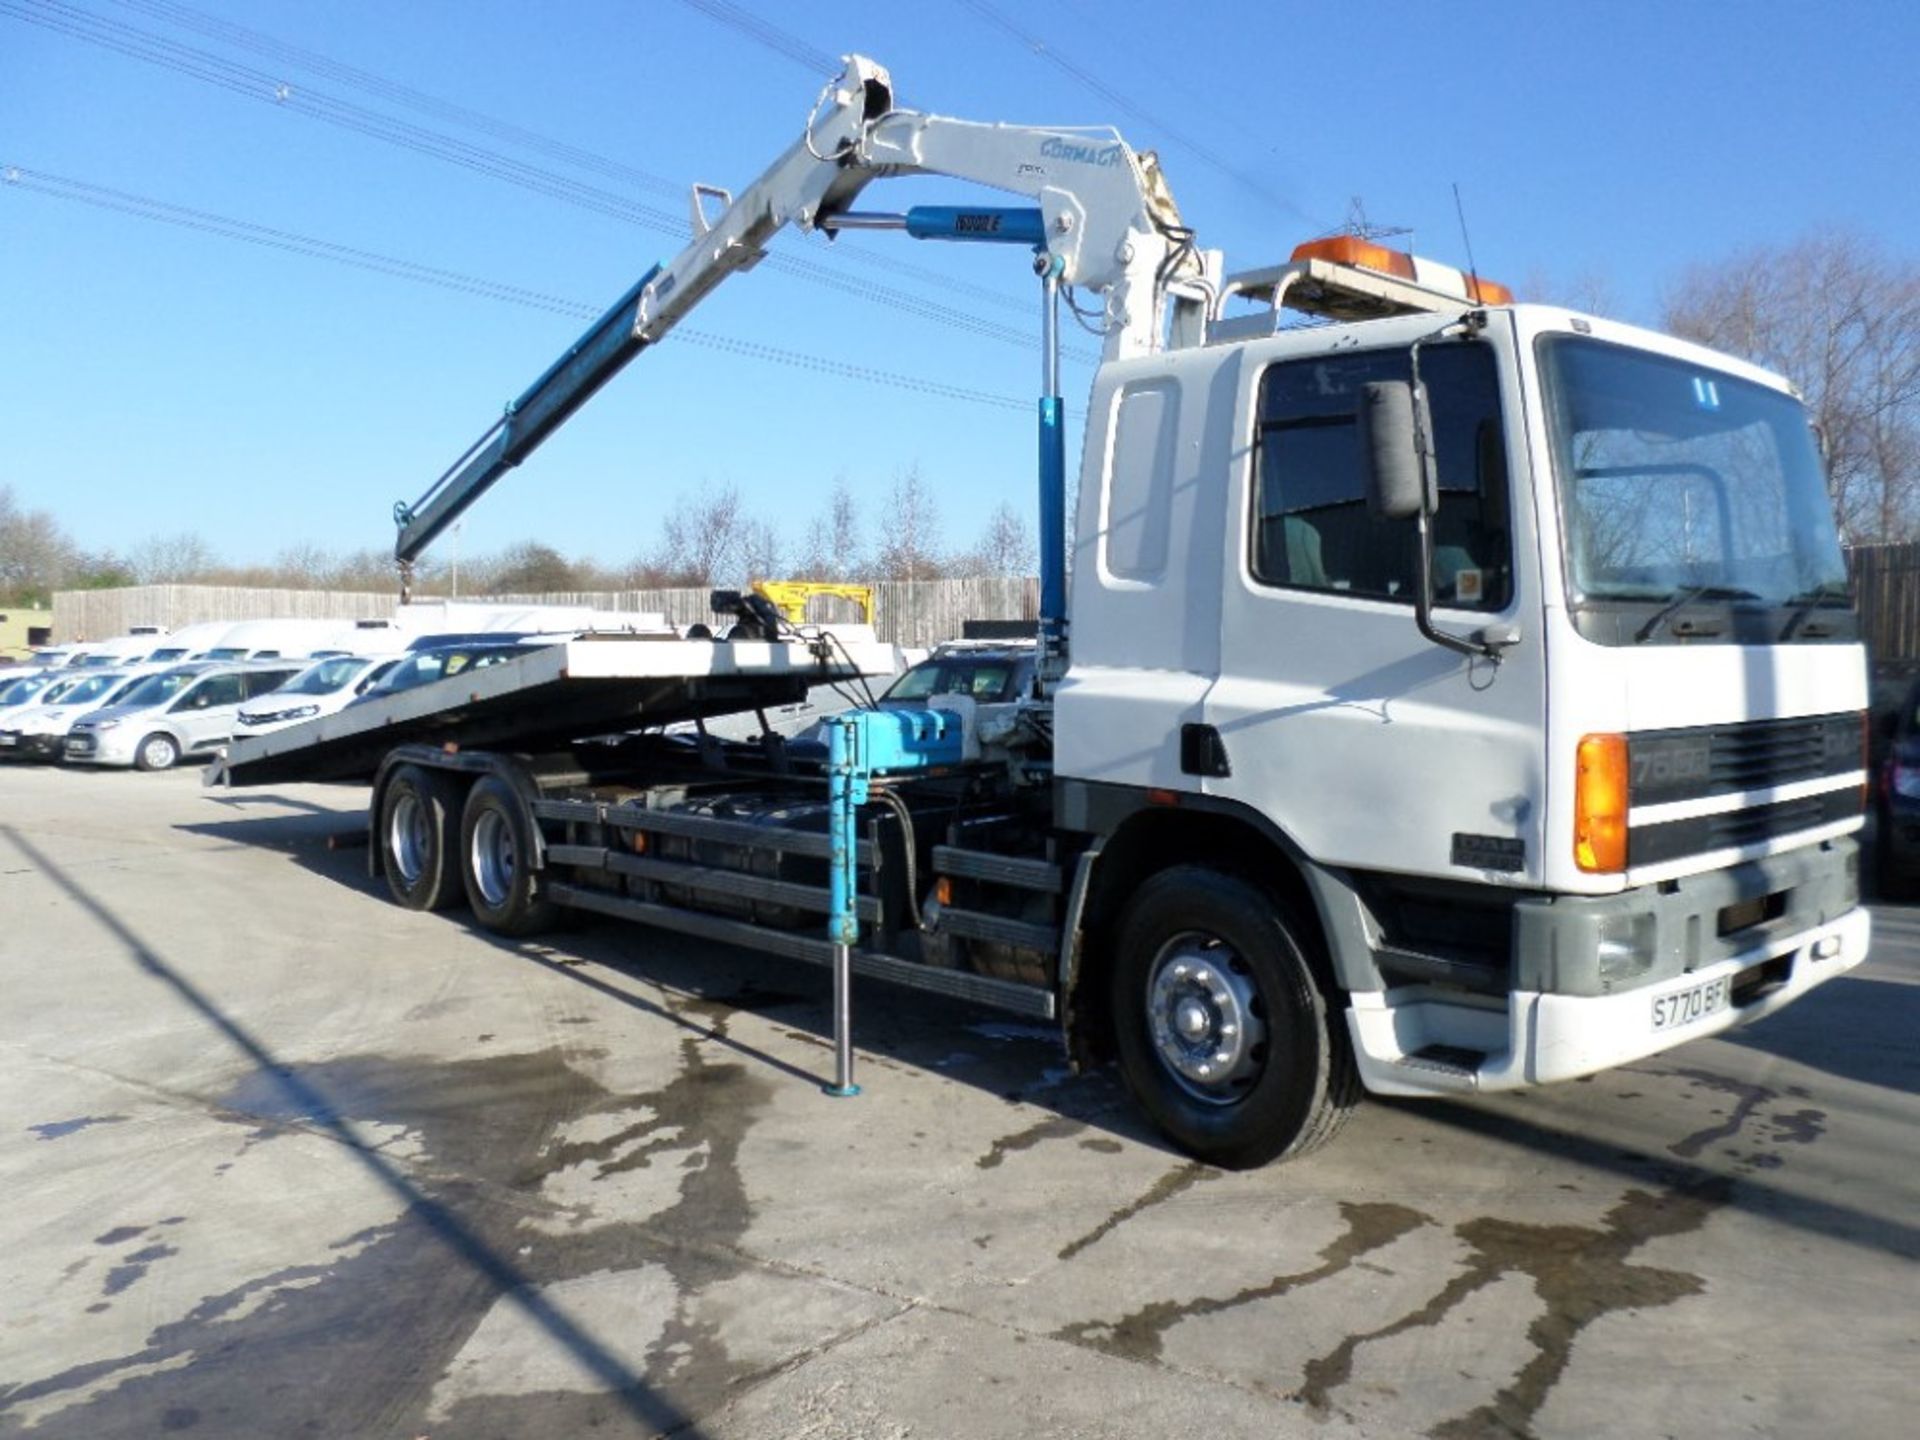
{"x": 160, "y": 379}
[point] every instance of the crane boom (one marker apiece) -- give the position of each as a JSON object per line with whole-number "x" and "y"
{"x": 1105, "y": 222}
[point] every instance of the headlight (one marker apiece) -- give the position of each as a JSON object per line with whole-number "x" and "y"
{"x": 300, "y": 712}
{"x": 1906, "y": 781}
{"x": 1625, "y": 946}
{"x": 107, "y": 724}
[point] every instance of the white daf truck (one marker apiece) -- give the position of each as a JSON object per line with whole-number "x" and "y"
{"x": 1455, "y": 695}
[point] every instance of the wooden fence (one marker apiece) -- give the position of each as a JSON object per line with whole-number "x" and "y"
{"x": 1886, "y": 587}
{"x": 906, "y": 612}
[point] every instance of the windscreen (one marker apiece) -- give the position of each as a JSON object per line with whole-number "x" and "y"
{"x": 985, "y": 679}
{"x": 158, "y": 689}
{"x": 23, "y": 690}
{"x": 1679, "y": 483}
{"x": 326, "y": 677}
{"x": 94, "y": 687}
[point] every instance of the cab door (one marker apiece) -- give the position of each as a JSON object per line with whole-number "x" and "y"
{"x": 1373, "y": 747}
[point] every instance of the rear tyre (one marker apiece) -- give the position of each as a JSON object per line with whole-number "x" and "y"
{"x": 1224, "y": 1036}
{"x": 420, "y": 838}
{"x": 507, "y": 894}
{"x": 158, "y": 751}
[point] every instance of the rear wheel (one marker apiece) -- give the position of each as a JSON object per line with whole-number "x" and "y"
{"x": 158, "y": 751}
{"x": 420, "y": 838}
{"x": 496, "y": 850}
{"x": 1224, "y": 1035}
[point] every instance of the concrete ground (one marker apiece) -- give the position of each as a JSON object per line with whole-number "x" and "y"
{"x": 280, "y": 1159}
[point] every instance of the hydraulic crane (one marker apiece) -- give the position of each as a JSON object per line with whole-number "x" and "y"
{"x": 1104, "y": 222}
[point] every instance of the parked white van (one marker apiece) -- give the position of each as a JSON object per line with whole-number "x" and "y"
{"x": 35, "y": 687}
{"x": 321, "y": 689}
{"x": 188, "y": 710}
{"x": 276, "y": 639}
{"x": 39, "y": 731}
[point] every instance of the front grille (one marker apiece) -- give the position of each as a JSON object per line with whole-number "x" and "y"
{"x": 1667, "y": 765}
{"x": 1652, "y": 844}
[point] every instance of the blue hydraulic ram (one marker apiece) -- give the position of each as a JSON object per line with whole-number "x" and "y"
{"x": 595, "y": 358}
{"x": 863, "y": 745}
{"x": 1014, "y": 226}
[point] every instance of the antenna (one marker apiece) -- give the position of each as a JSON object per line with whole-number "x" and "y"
{"x": 1466, "y": 239}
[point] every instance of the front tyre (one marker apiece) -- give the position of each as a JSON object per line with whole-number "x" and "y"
{"x": 1224, "y": 1036}
{"x": 420, "y": 838}
{"x": 496, "y": 850}
{"x": 158, "y": 751}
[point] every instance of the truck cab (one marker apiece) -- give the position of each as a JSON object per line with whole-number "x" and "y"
{"x": 1619, "y": 812}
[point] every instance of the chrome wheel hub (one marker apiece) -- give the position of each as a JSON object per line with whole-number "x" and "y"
{"x": 1206, "y": 1018}
{"x": 407, "y": 838}
{"x": 493, "y": 858}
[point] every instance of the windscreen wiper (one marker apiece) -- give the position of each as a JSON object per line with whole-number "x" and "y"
{"x": 1804, "y": 604}
{"x": 1687, "y": 597}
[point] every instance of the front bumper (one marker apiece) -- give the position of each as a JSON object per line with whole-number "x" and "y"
{"x": 100, "y": 747}
{"x": 30, "y": 745}
{"x": 1714, "y": 951}
{"x": 1543, "y": 1038}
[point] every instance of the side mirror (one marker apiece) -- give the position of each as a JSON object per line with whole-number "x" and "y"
{"x": 1392, "y": 427}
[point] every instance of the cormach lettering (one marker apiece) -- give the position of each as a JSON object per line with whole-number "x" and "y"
{"x": 1081, "y": 153}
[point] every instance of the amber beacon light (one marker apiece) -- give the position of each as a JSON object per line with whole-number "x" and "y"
{"x": 1600, "y": 804}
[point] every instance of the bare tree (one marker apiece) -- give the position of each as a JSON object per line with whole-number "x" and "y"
{"x": 36, "y": 556}
{"x": 1005, "y": 547}
{"x": 702, "y": 539}
{"x": 833, "y": 543}
{"x": 1592, "y": 292}
{"x": 909, "y": 531}
{"x": 1840, "y": 316}
{"x": 759, "y": 550}
{"x": 173, "y": 559}
{"x": 531, "y": 568}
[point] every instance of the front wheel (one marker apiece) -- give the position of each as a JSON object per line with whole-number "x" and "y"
{"x": 1224, "y": 1036}
{"x": 496, "y": 849}
{"x": 157, "y": 752}
{"x": 420, "y": 838}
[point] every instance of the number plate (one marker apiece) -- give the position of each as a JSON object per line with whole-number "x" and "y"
{"x": 9, "y": 739}
{"x": 79, "y": 747}
{"x": 1697, "y": 1002}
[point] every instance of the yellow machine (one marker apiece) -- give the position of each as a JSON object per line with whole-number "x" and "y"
{"x": 790, "y": 597}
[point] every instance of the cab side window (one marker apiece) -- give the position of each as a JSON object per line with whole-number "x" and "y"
{"x": 215, "y": 690}
{"x": 1312, "y": 530}
{"x": 265, "y": 682}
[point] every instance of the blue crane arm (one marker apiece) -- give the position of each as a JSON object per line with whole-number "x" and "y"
{"x": 592, "y": 360}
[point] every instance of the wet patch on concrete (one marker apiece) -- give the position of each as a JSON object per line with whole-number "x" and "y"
{"x": 1142, "y": 1334}
{"x": 392, "y": 1311}
{"x": 1797, "y": 1127}
{"x": 134, "y": 1268}
{"x": 60, "y": 1129}
{"x": 1579, "y": 1273}
{"x": 1181, "y": 1178}
{"x": 1057, "y": 1127}
{"x": 1748, "y": 1100}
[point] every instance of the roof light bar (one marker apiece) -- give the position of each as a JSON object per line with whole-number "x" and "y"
{"x": 1428, "y": 274}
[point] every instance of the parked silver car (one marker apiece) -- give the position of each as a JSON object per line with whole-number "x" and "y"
{"x": 188, "y": 710}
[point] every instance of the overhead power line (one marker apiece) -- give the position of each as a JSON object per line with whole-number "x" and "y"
{"x": 1121, "y": 101}
{"x": 300, "y": 57}
{"x": 767, "y": 35}
{"x": 269, "y": 88}
{"x": 59, "y": 187}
